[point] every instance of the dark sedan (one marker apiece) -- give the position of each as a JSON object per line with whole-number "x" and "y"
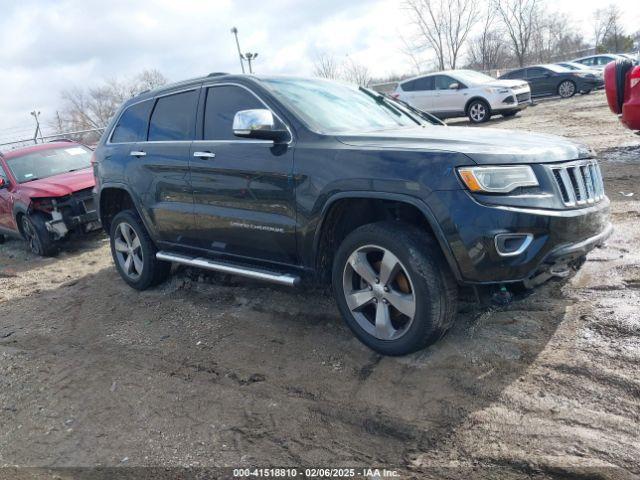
{"x": 554, "y": 80}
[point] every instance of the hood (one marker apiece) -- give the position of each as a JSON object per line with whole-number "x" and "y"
{"x": 514, "y": 84}
{"x": 482, "y": 145}
{"x": 60, "y": 185}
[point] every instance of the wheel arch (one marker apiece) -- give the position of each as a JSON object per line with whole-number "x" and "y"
{"x": 330, "y": 217}
{"x": 112, "y": 199}
{"x": 474, "y": 98}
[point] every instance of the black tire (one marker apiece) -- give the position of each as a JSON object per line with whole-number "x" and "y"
{"x": 154, "y": 271}
{"x": 434, "y": 289}
{"x": 509, "y": 114}
{"x": 2, "y": 239}
{"x": 35, "y": 233}
{"x": 480, "y": 106}
{"x": 567, "y": 89}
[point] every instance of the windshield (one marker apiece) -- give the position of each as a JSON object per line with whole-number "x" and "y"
{"x": 47, "y": 163}
{"x": 333, "y": 107}
{"x": 471, "y": 77}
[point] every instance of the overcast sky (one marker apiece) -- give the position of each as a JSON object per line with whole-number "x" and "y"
{"x": 48, "y": 46}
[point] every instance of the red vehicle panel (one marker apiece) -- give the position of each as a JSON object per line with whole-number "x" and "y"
{"x": 46, "y": 192}
{"x": 622, "y": 84}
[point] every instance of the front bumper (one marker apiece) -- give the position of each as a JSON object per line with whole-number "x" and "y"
{"x": 558, "y": 236}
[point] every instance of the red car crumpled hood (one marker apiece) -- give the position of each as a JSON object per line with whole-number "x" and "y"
{"x": 59, "y": 185}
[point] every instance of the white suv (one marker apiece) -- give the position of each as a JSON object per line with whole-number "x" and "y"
{"x": 459, "y": 93}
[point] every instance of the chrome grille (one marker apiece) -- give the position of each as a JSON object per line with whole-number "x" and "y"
{"x": 523, "y": 97}
{"x": 580, "y": 183}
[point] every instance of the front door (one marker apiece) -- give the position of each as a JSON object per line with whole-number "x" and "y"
{"x": 541, "y": 81}
{"x": 448, "y": 99}
{"x": 6, "y": 203}
{"x": 243, "y": 189}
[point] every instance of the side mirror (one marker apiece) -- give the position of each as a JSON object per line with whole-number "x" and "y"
{"x": 3, "y": 183}
{"x": 259, "y": 124}
{"x": 454, "y": 86}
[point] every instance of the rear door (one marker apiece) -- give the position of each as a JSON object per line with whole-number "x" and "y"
{"x": 422, "y": 93}
{"x": 243, "y": 189}
{"x": 160, "y": 166}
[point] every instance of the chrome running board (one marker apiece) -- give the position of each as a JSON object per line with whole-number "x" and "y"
{"x": 243, "y": 271}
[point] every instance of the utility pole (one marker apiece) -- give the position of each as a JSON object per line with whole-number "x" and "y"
{"x": 234, "y": 30}
{"x": 250, "y": 56}
{"x": 36, "y": 114}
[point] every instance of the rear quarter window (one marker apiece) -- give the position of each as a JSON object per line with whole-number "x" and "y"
{"x": 132, "y": 125}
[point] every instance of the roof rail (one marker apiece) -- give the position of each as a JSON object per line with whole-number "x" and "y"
{"x": 217, "y": 74}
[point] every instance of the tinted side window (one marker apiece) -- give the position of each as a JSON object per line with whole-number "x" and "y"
{"x": 424, "y": 83}
{"x": 535, "y": 72}
{"x": 603, "y": 60}
{"x": 222, "y": 104}
{"x": 516, "y": 74}
{"x": 408, "y": 86}
{"x": 173, "y": 117}
{"x": 587, "y": 61}
{"x": 132, "y": 126}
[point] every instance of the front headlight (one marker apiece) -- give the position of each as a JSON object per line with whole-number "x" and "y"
{"x": 500, "y": 179}
{"x": 495, "y": 90}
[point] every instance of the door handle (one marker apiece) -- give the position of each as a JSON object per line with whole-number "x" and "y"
{"x": 204, "y": 154}
{"x": 136, "y": 153}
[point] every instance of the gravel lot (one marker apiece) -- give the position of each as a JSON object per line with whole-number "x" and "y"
{"x": 219, "y": 371}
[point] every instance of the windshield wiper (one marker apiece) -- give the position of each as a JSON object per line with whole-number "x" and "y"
{"x": 381, "y": 100}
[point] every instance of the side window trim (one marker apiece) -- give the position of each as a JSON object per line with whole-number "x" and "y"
{"x": 200, "y": 126}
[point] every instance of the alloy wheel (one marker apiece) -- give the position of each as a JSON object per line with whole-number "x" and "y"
{"x": 566, "y": 89}
{"x": 128, "y": 251}
{"x": 478, "y": 112}
{"x": 30, "y": 235}
{"x": 379, "y": 292}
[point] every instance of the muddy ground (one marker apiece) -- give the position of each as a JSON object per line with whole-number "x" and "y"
{"x": 220, "y": 371}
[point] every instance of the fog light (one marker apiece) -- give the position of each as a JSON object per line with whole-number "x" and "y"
{"x": 509, "y": 99}
{"x": 512, "y": 244}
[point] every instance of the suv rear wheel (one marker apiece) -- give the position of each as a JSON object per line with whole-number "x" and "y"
{"x": 479, "y": 111}
{"x": 393, "y": 287}
{"x": 134, "y": 253}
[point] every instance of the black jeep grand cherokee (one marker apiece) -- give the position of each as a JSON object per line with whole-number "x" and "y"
{"x": 279, "y": 178}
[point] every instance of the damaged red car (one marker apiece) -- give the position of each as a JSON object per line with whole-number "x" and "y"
{"x": 46, "y": 194}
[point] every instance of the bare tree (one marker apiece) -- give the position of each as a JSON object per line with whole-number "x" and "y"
{"x": 326, "y": 66}
{"x": 92, "y": 108}
{"x": 444, "y": 26}
{"x": 519, "y": 20}
{"x": 608, "y": 24}
{"x": 487, "y": 51}
{"x": 601, "y": 26}
{"x": 354, "y": 72}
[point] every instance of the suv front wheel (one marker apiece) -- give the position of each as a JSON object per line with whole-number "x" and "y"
{"x": 134, "y": 253}
{"x": 479, "y": 111}
{"x": 393, "y": 287}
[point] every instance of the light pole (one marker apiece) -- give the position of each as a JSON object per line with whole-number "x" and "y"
{"x": 250, "y": 56}
{"x": 36, "y": 114}
{"x": 234, "y": 30}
